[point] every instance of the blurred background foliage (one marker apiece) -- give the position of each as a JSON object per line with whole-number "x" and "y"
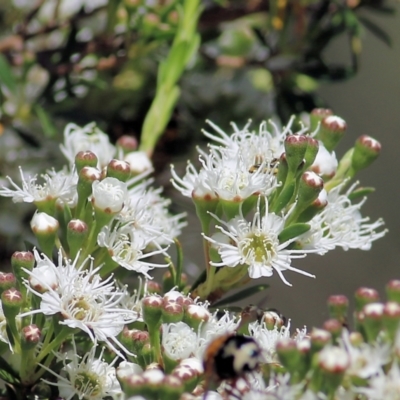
{"x": 108, "y": 60}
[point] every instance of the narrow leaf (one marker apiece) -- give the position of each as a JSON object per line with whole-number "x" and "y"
{"x": 361, "y": 192}
{"x": 292, "y": 231}
{"x": 377, "y": 31}
{"x": 243, "y": 294}
{"x": 6, "y": 75}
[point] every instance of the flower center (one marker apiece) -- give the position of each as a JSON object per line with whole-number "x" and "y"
{"x": 87, "y": 383}
{"x": 260, "y": 248}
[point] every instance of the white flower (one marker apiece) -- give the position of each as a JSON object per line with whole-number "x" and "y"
{"x": 341, "y": 224}
{"x": 366, "y": 359}
{"x": 109, "y": 195}
{"x": 256, "y": 244}
{"x": 179, "y": 340}
{"x": 325, "y": 163}
{"x": 87, "y": 377}
{"x": 383, "y": 386}
{"x": 127, "y": 248}
{"x": 83, "y": 300}
{"x": 89, "y": 137}
{"x": 60, "y": 185}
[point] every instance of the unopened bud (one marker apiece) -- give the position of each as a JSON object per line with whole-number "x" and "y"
{"x": 139, "y": 162}
{"x": 366, "y": 151}
{"x": 45, "y": 228}
{"x": 152, "y": 310}
{"x": 30, "y": 337}
{"x": 334, "y": 327}
{"x": 196, "y": 315}
{"x": 85, "y": 159}
{"x": 125, "y": 142}
{"x": 319, "y": 339}
{"x": 317, "y": 115}
{"x": 338, "y": 306}
{"x": 7, "y": 281}
{"x": 365, "y": 296}
{"x": 393, "y": 290}
{"x": 172, "y": 312}
{"x": 391, "y": 318}
{"x": 12, "y": 301}
{"x": 119, "y": 169}
{"x": 295, "y": 149}
{"x": 332, "y": 129}
{"x": 373, "y": 320}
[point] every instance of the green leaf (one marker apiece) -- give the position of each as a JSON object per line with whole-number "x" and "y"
{"x": 361, "y": 192}
{"x": 49, "y": 129}
{"x": 7, "y": 373}
{"x": 377, "y": 31}
{"x": 6, "y": 75}
{"x": 243, "y": 294}
{"x": 292, "y": 231}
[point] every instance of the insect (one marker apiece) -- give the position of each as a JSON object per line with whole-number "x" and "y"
{"x": 229, "y": 357}
{"x": 271, "y": 167}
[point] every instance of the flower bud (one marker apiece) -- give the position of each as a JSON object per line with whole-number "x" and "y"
{"x": 12, "y": 302}
{"x": 139, "y": 162}
{"x": 338, "y": 306}
{"x": 317, "y": 115}
{"x": 332, "y": 363}
{"x": 319, "y": 339}
{"x": 134, "y": 339}
{"x": 288, "y": 354}
{"x": 132, "y": 385}
{"x": 153, "y": 287}
{"x": 119, "y": 169}
{"x": 173, "y": 295}
{"x": 126, "y": 369}
{"x": 295, "y": 149}
{"x": 7, "y": 281}
{"x": 272, "y": 319}
{"x": 393, "y": 290}
{"x": 332, "y": 129}
{"x": 153, "y": 381}
{"x": 86, "y": 177}
{"x": 196, "y": 315}
{"x": 152, "y": 310}
{"x": 172, "y": 312}
{"x": 366, "y": 151}
{"x": 85, "y": 159}
{"x": 373, "y": 320}
{"x": 391, "y": 318}
{"x": 77, "y": 233}
{"x": 187, "y": 375}
{"x": 325, "y": 163}
{"x": 45, "y": 228}
{"x": 127, "y": 143}
{"x": 48, "y": 278}
{"x": 334, "y": 327}
{"x": 365, "y": 296}
{"x": 310, "y": 186}
{"x": 316, "y": 206}
{"x": 172, "y": 388}
{"x": 30, "y": 337}
{"x": 22, "y": 260}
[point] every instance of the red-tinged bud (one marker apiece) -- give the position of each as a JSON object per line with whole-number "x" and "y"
{"x": 365, "y": 296}
{"x": 174, "y": 296}
{"x": 288, "y": 354}
{"x": 153, "y": 287}
{"x": 172, "y": 312}
{"x": 152, "y": 310}
{"x": 12, "y": 302}
{"x": 332, "y": 129}
{"x": 132, "y": 385}
{"x": 7, "y": 281}
{"x": 319, "y": 339}
{"x": 153, "y": 380}
{"x": 125, "y": 142}
{"x": 20, "y": 260}
{"x": 126, "y": 369}
{"x": 391, "y": 318}
{"x": 87, "y": 175}
{"x": 134, "y": 340}
{"x": 332, "y": 363}
{"x": 295, "y": 149}
{"x": 393, "y": 290}
{"x": 195, "y": 315}
{"x": 334, "y": 327}
{"x": 30, "y": 337}
{"x": 77, "y": 233}
{"x": 316, "y": 206}
{"x": 373, "y": 320}
{"x": 317, "y": 115}
{"x": 272, "y": 320}
{"x": 119, "y": 169}
{"x": 338, "y": 306}
{"x": 187, "y": 301}
{"x": 85, "y": 159}
{"x": 366, "y": 151}
{"x": 188, "y": 376}
{"x": 172, "y": 388}
{"x": 310, "y": 186}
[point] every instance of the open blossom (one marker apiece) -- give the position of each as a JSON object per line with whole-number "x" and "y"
{"x": 255, "y": 244}
{"x": 127, "y": 248}
{"x": 87, "y": 138}
{"x": 340, "y": 224}
{"x": 56, "y": 185}
{"x": 88, "y": 377}
{"x": 109, "y": 195}
{"x": 82, "y": 298}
